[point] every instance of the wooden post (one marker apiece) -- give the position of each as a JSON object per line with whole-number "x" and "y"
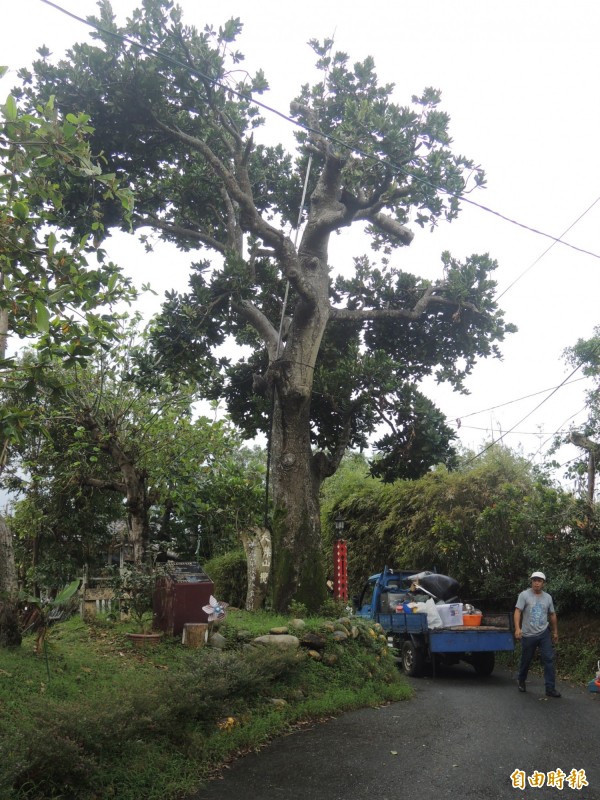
{"x": 194, "y": 634}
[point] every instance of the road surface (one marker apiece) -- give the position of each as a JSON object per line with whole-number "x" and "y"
{"x": 461, "y": 737}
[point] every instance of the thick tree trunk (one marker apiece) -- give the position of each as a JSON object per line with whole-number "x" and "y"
{"x": 8, "y": 572}
{"x": 137, "y": 506}
{"x": 298, "y": 568}
{"x": 133, "y": 485}
{"x": 10, "y": 635}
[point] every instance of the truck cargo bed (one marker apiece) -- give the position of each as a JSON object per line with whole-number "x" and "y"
{"x": 495, "y": 633}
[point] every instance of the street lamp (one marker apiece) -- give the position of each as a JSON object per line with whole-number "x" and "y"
{"x": 339, "y": 523}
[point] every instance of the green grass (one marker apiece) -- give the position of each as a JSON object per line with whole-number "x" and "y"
{"x": 111, "y": 721}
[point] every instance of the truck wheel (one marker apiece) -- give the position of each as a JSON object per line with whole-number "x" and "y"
{"x": 484, "y": 664}
{"x": 413, "y": 659}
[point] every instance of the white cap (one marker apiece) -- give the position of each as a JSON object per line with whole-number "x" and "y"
{"x": 538, "y": 575}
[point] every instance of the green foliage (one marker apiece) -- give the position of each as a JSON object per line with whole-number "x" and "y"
{"x": 297, "y": 609}
{"x": 569, "y": 550}
{"x": 487, "y": 525}
{"x": 230, "y": 577}
{"x": 133, "y": 587}
{"x": 182, "y": 190}
{"x": 113, "y": 723}
{"x": 108, "y": 437}
{"x": 49, "y": 291}
{"x": 333, "y": 608}
{"x": 585, "y": 355}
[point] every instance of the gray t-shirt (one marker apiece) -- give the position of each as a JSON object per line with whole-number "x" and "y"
{"x": 535, "y": 608}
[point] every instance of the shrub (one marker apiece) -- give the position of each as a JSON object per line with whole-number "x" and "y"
{"x": 229, "y": 575}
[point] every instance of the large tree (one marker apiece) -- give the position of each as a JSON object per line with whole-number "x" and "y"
{"x": 49, "y": 293}
{"x": 178, "y": 479}
{"x": 333, "y": 352}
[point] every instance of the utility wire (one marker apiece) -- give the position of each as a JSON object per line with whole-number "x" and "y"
{"x": 524, "y": 433}
{"x": 352, "y": 148}
{"x": 517, "y": 400}
{"x": 533, "y": 410}
{"x": 547, "y": 250}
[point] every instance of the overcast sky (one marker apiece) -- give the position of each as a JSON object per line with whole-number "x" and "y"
{"x": 520, "y": 81}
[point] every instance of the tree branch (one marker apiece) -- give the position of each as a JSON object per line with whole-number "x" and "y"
{"x": 178, "y": 230}
{"x": 389, "y": 225}
{"x": 260, "y": 323}
{"x": 252, "y": 221}
{"x": 426, "y": 301}
{"x": 100, "y": 483}
{"x": 579, "y": 440}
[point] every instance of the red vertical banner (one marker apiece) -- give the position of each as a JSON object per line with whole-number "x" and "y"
{"x": 340, "y": 570}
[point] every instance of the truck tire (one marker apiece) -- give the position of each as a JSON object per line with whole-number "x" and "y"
{"x": 413, "y": 659}
{"x": 484, "y": 663}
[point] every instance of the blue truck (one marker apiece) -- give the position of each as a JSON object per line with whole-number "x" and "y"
{"x": 382, "y": 597}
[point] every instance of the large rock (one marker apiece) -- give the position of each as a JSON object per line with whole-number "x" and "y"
{"x": 314, "y": 641}
{"x": 217, "y": 641}
{"x": 278, "y": 640}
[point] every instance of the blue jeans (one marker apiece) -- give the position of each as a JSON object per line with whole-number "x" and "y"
{"x": 528, "y": 646}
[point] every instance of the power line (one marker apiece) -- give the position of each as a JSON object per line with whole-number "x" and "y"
{"x": 556, "y": 432}
{"x": 517, "y": 400}
{"x": 520, "y": 433}
{"x": 547, "y": 250}
{"x": 533, "y": 410}
{"x": 352, "y": 148}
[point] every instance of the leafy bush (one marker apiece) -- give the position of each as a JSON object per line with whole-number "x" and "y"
{"x": 133, "y": 587}
{"x": 229, "y": 575}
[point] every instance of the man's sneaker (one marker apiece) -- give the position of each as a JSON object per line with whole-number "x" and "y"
{"x": 553, "y": 693}
{"x": 521, "y": 685}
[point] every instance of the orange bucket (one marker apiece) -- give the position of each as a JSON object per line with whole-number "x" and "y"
{"x": 472, "y": 619}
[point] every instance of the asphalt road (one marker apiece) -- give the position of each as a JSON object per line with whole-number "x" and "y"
{"x": 460, "y": 737}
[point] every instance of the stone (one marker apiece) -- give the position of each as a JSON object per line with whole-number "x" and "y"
{"x": 217, "y": 640}
{"x": 297, "y": 624}
{"x": 314, "y": 654}
{"x": 313, "y": 640}
{"x": 278, "y": 639}
{"x": 279, "y": 631}
{"x": 330, "y": 659}
{"x": 339, "y": 636}
{"x": 354, "y": 632}
{"x": 278, "y": 702}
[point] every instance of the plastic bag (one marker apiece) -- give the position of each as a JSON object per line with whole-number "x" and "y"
{"x": 433, "y": 617}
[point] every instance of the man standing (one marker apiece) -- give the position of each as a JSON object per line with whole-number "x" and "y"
{"x": 534, "y": 616}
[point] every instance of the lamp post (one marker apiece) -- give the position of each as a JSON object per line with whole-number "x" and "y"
{"x": 339, "y": 523}
{"x": 340, "y": 560}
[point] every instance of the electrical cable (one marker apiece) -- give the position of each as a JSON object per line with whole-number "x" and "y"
{"x": 547, "y": 250}
{"x": 517, "y": 400}
{"x": 539, "y": 405}
{"x": 595, "y": 352}
{"x": 349, "y": 147}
